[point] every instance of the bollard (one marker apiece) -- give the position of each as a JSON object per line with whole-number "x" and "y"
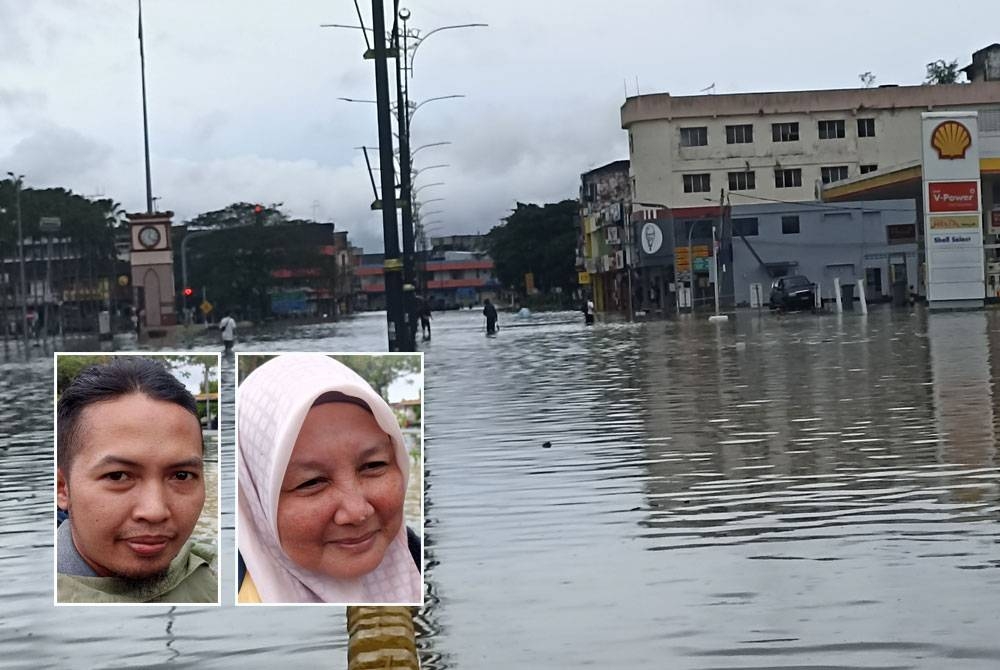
{"x": 381, "y": 637}
{"x": 818, "y": 298}
{"x": 103, "y": 325}
{"x": 836, "y": 294}
{"x": 861, "y": 296}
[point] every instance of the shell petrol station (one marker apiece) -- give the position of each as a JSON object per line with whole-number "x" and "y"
{"x": 956, "y": 186}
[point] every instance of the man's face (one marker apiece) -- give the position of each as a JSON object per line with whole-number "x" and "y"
{"x": 135, "y": 487}
{"x": 341, "y": 499}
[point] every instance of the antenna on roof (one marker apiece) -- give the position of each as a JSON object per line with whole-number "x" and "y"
{"x": 637, "y": 85}
{"x": 710, "y": 89}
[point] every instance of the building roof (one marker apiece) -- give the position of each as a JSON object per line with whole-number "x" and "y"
{"x": 660, "y": 106}
{"x": 613, "y": 166}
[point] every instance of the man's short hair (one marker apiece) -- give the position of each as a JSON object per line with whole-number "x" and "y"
{"x": 121, "y": 376}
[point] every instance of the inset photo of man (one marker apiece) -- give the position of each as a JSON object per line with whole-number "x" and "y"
{"x": 137, "y": 478}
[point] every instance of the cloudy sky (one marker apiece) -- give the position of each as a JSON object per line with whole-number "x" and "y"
{"x": 243, "y": 94}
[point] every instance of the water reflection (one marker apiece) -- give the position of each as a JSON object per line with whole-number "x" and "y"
{"x": 771, "y": 492}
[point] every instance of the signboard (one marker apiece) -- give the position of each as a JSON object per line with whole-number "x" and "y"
{"x": 954, "y": 222}
{"x": 682, "y": 262}
{"x": 651, "y": 237}
{"x": 954, "y": 248}
{"x": 953, "y": 196}
{"x": 205, "y": 307}
{"x": 995, "y": 221}
{"x": 583, "y": 278}
{"x": 529, "y": 283}
{"x": 49, "y": 224}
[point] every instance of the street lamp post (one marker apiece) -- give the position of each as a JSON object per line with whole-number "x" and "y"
{"x": 392, "y": 264}
{"x": 18, "y": 180}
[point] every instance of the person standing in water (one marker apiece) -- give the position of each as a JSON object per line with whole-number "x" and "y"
{"x": 228, "y": 328}
{"x": 490, "y": 312}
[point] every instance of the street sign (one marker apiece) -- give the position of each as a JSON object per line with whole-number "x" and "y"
{"x": 49, "y": 224}
{"x": 700, "y": 264}
{"x": 205, "y": 307}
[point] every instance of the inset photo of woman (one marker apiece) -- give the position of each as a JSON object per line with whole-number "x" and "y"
{"x": 329, "y": 462}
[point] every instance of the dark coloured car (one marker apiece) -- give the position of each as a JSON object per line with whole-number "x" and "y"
{"x": 794, "y": 292}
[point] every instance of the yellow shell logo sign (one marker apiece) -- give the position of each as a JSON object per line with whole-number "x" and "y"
{"x": 951, "y": 139}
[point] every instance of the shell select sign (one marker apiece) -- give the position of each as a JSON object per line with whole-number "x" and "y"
{"x": 953, "y": 196}
{"x": 951, "y": 139}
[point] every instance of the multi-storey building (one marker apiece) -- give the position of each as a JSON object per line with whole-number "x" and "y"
{"x": 446, "y": 279}
{"x": 602, "y": 249}
{"x": 692, "y": 155}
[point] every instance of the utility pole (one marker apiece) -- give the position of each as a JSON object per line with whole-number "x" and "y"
{"x": 17, "y": 179}
{"x": 392, "y": 265}
{"x": 407, "y": 342}
{"x": 145, "y": 121}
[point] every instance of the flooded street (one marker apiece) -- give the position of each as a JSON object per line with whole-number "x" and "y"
{"x": 793, "y": 492}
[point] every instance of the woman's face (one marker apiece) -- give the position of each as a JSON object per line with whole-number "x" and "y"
{"x": 341, "y": 500}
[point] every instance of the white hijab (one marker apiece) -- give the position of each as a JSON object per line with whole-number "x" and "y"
{"x": 273, "y": 403}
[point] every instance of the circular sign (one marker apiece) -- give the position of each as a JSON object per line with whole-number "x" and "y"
{"x": 122, "y": 280}
{"x": 149, "y": 236}
{"x": 651, "y": 238}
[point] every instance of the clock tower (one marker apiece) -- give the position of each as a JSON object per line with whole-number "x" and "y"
{"x": 153, "y": 268}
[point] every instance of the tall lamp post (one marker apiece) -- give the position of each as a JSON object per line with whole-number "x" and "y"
{"x": 18, "y": 180}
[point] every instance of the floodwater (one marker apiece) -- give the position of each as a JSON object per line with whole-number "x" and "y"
{"x": 772, "y": 492}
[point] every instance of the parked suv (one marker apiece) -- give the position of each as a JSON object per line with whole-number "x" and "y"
{"x": 794, "y": 292}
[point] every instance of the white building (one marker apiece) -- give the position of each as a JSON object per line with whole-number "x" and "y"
{"x": 686, "y": 153}
{"x": 782, "y": 146}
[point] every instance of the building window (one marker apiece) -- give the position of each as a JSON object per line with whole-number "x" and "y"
{"x": 865, "y": 169}
{"x": 785, "y": 132}
{"x": 739, "y": 134}
{"x": 832, "y": 174}
{"x": 631, "y": 143}
{"x": 866, "y": 127}
{"x": 697, "y": 183}
{"x": 694, "y": 137}
{"x": 831, "y": 130}
{"x": 742, "y": 181}
{"x": 789, "y": 225}
{"x": 745, "y": 227}
{"x": 788, "y": 178}
{"x": 904, "y": 233}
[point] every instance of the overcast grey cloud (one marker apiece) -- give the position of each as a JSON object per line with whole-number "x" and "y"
{"x": 243, "y": 95}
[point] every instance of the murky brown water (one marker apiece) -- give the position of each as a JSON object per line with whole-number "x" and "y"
{"x": 792, "y": 492}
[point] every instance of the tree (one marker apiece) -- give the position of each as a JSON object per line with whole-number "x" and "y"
{"x": 539, "y": 240}
{"x": 237, "y": 261}
{"x": 940, "y": 72}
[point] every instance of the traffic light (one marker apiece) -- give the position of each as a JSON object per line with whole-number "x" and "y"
{"x": 258, "y": 215}
{"x": 188, "y": 291}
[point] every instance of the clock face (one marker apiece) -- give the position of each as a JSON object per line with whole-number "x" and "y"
{"x": 149, "y": 236}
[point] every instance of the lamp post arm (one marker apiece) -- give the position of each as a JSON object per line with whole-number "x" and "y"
{"x": 420, "y": 40}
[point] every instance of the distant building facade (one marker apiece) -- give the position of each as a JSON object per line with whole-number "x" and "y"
{"x": 699, "y": 157}
{"x": 447, "y": 279}
{"x": 603, "y": 242}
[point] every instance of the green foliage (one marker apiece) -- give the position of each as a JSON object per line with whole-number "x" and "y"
{"x": 378, "y": 370}
{"x": 940, "y": 72}
{"x": 540, "y": 240}
{"x": 70, "y": 366}
{"x": 381, "y": 371}
{"x": 236, "y": 262}
{"x": 90, "y": 223}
